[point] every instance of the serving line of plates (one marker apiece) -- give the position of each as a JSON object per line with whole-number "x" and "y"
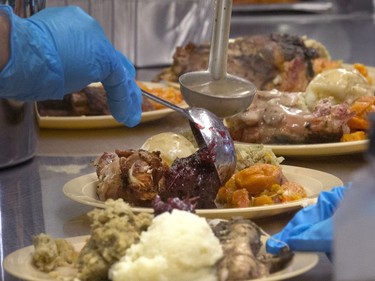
{"x": 107, "y": 121}
{"x": 21, "y": 259}
{"x": 319, "y": 149}
{"x": 83, "y": 190}
{"x": 95, "y": 122}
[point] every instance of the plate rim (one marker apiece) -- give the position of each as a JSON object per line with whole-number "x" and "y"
{"x": 79, "y": 196}
{"x": 319, "y": 149}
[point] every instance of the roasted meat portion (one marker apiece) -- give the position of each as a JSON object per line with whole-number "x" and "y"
{"x": 275, "y": 117}
{"x": 89, "y": 101}
{"x": 272, "y": 61}
{"x": 133, "y": 175}
{"x": 142, "y": 172}
{"x": 109, "y": 175}
{"x": 243, "y": 260}
{"x": 139, "y": 176}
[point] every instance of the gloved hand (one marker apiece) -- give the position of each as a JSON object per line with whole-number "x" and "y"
{"x": 311, "y": 228}
{"x": 61, "y": 50}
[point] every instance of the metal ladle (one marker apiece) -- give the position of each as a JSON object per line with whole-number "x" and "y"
{"x": 208, "y": 131}
{"x": 214, "y": 89}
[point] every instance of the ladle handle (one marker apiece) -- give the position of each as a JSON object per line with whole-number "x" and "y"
{"x": 219, "y": 42}
{"x": 166, "y": 103}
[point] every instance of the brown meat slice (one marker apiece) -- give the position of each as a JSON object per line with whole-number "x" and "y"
{"x": 277, "y": 117}
{"x": 109, "y": 176}
{"x": 243, "y": 260}
{"x": 90, "y": 101}
{"x": 142, "y": 174}
{"x": 279, "y": 61}
{"x": 133, "y": 175}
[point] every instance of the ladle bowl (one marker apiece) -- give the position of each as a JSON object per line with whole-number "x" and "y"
{"x": 214, "y": 89}
{"x": 225, "y": 97}
{"x": 208, "y": 131}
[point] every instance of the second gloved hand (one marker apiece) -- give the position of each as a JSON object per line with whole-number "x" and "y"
{"x": 61, "y": 50}
{"x": 311, "y": 228}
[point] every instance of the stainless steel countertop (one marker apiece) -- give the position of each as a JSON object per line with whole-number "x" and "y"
{"x": 31, "y": 198}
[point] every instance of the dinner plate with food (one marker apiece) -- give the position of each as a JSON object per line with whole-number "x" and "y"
{"x": 87, "y": 109}
{"x": 168, "y": 165}
{"x": 306, "y": 103}
{"x": 142, "y": 247}
{"x": 328, "y": 118}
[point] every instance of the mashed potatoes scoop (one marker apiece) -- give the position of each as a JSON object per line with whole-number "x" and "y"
{"x": 170, "y": 145}
{"x": 342, "y": 85}
{"x": 178, "y": 246}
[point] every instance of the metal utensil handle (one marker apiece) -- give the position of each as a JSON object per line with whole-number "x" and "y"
{"x": 166, "y": 103}
{"x": 219, "y": 41}
{"x": 25, "y": 8}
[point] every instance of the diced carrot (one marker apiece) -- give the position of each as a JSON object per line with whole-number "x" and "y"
{"x": 364, "y": 71}
{"x": 224, "y": 194}
{"x": 360, "y": 107}
{"x": 359, "y": 135}
{"x": 262, "y": 200}
{"x": 358, "y": 123}
{"x": 240, "y": 198}
{"x": 258, "y": 177}
{"x": 321, "y": 64}
{"x": 168, "y": 93}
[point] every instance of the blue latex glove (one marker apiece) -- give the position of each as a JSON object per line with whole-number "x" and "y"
{"x": 61, "y": 50}
{"x": 311, "y": 228}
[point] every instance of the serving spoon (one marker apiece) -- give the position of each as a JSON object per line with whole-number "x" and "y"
{"x": 208, "y": 131}
{"x": 214, "y": 89}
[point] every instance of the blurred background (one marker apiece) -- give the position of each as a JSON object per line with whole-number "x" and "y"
{"x": 148, "y": 31}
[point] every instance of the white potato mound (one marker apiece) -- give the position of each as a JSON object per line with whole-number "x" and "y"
{"x": 170, "y": 145}
{"x": 178, "y": 246}
{"x": 341, "y": 85}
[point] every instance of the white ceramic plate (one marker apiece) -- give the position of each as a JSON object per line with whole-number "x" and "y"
{"x": 94, "y": 122}
{"x": 321, "y": 149}
{"x": 100, "y": 121}
{"x": 83, "y": 190}
{"x": 21, "y": 259}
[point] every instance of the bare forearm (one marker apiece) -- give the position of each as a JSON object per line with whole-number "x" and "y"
{"x": 4, "y": 39}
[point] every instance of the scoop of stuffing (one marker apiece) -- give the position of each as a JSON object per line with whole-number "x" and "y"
{"x": 249, "y": 155}
{"x": 51, "y": 253}
{"x": 113, "y": 230}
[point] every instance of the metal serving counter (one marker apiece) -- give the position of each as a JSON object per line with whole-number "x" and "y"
{"x": 31, "y": 197}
